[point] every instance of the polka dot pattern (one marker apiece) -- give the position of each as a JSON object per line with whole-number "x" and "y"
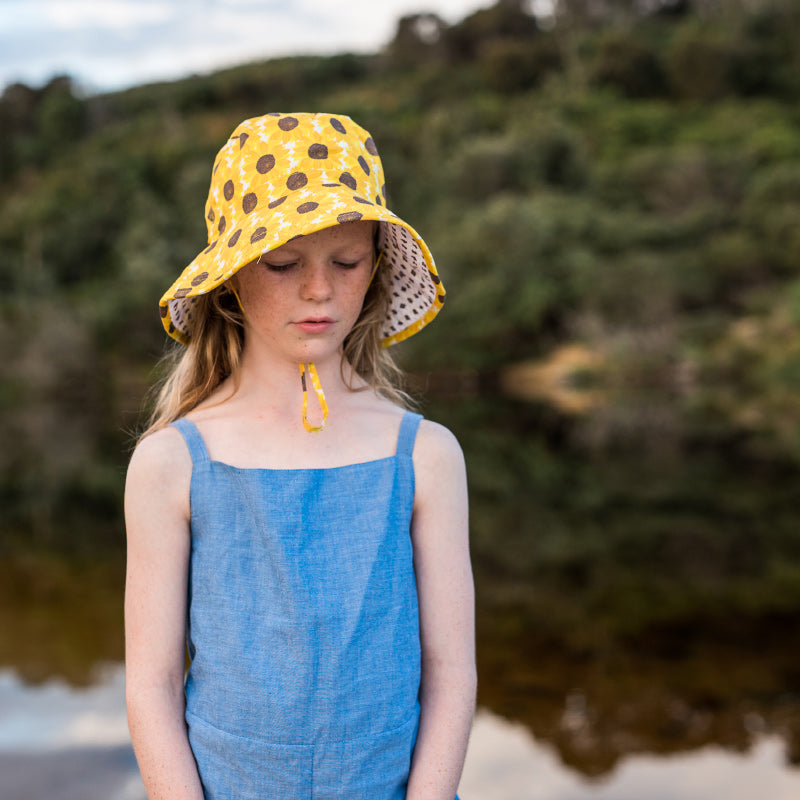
{"x": 249, "y": 202}
{"x": 282, "y": 176}
{"x": 265, "y": 163}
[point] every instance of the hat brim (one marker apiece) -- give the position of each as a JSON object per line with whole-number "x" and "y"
{"x": 417, "y": 293}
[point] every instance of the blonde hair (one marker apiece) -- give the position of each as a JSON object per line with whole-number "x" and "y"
{"x": 217, "y": 340}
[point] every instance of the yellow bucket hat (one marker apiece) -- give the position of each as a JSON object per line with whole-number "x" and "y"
{"x": 281, "y": 176}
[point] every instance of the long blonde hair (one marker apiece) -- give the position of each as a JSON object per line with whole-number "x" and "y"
{"x": 216, "y": 343}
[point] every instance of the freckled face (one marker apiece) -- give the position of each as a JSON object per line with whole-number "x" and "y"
{"x": 302, "y": 299}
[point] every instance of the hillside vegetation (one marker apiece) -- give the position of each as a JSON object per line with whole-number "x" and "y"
{"x": 621, "y": 180}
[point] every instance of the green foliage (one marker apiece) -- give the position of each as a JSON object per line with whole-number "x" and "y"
{"x": 511, "y": 65}
{"x": 699, "y": 64}
{"x": 627, "y": 63}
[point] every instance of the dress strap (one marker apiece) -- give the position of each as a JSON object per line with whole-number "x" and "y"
{"x": 194, "y": 441}
{"x": 408, "y": 432}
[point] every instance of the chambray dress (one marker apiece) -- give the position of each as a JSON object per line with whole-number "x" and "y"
{"x": 303, "y": 627}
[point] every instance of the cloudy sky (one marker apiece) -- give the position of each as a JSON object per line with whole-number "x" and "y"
{"x": 110, "y": 44}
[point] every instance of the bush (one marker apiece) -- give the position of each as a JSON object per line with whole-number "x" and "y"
{"x": 698, "y": 64}
{"x": 625, "y": 63}
{"x": 511, "y": 65}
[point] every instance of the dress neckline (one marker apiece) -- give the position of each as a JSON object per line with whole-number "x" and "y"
{"x": 353, "y": 465}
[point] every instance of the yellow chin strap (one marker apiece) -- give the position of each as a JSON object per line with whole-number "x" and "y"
{"x": 312, "y": 371}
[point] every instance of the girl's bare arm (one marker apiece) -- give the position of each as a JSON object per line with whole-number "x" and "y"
{"x": 157, "y": 520}
{"x": 446, "y": 597}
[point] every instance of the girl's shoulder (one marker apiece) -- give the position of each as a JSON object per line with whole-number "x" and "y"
{"x": 440, "y": 498}
{"x": 160, "y": 458}
{"x": 158, "y": 481}
{"x": 437, "y": 444}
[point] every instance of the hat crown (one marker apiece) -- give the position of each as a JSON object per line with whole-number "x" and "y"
{"x": 276, "y": 158}
{"x": 281, "y": 176}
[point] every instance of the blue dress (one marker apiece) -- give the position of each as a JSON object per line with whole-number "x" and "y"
{"x": 303, "y": 627}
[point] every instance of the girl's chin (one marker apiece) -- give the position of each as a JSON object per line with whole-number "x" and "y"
{"x": 317, "y": 355}
{"x": 316, "y": 351}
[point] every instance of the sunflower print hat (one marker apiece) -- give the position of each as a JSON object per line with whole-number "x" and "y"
{"x": 281, "y": 176}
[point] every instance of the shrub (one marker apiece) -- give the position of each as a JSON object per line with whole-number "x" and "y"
{"x": 625, "y": 63}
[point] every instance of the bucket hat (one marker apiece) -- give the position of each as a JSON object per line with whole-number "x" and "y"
{"x": 285, "y": 175}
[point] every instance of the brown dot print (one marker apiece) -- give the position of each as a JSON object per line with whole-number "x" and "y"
{"x": 235, "y": 238}
{"x": 199, "y": 279}
{"x": 265, "y": 163}
{"x": 306, "y": 207}
{"x": 210, "y": 214}
{"x": 222, "y": 224}
{"x": 210, "y": 247}
{"x": 350, "y": 216}
{"x": 243, "y": 137}
{"x": 297, "y": 180}
{"x": 276, "y": 203}
{"x": 182, "y": 292}
{"x": 317, "y": 151}
{"x": 228, "y": 190}
{"x": 163, "y": 310}
{"x": 361, "y": 200}
{"x": 337, "y": 126}
{"x": 288, "y": 123}
{"x": 249, "y": 202}
{"x": 362, "y": 162}
{"x": 370, "y": 147}
{"x": 348, "y": 180}
{"x": 258, "y": 235}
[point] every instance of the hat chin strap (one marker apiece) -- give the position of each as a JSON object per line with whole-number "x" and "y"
{"x": 312, "y": 371}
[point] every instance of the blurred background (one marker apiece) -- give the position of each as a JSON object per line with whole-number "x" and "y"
{"x": 611, "y": 189}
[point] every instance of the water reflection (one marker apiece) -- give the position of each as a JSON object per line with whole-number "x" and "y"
{"x": 505, "y": 762}
{"x": 638, "y": 581}
{"x": 638, "y": 576}
{"x": 61, "y": 616}
{"x": 57, "y": 716}
{"x": 63, "y": 742}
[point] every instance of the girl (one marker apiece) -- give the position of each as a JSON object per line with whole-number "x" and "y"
{"x": 313, "y": 555}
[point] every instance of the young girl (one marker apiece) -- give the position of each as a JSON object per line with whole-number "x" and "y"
{"x": 312, "y": 552}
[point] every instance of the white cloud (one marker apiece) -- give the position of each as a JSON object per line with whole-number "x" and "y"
{"x": 119, "y": 15}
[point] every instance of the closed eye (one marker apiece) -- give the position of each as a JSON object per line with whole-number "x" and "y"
{"x": 279, "y": 267}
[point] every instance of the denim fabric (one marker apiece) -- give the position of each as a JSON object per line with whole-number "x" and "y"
{"x": 303, "y": 627}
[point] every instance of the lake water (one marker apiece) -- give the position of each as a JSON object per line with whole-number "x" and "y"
{"x": 638, "y": 585}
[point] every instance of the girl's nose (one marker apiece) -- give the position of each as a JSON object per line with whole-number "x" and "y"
{"x": 316, "y": 281}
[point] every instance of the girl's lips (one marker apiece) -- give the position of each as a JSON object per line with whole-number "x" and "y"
{"x": 314, "y": 325}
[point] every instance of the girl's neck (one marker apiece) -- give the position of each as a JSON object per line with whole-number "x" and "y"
{"x": 265, "y": 380}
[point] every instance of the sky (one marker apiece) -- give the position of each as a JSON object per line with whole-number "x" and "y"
{"x": 111, "y": 44}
